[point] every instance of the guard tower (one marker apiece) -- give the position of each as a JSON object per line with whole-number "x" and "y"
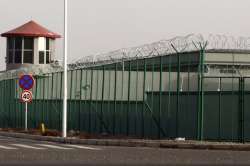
{"x": 29, "y": 44}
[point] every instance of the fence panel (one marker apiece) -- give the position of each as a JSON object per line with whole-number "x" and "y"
{"x": 222, "y": 108}
{"x": 158, "y": 97}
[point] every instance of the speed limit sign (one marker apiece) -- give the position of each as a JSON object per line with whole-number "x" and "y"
{"x": 26, "y": 96}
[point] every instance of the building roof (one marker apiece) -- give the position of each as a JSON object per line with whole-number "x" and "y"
{"x": 31, "y": 29}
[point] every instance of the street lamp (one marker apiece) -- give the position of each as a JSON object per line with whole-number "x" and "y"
{"x": 65, "y": 50}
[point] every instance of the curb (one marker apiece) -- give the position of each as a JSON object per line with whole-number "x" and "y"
{"x": 136, "y": 142}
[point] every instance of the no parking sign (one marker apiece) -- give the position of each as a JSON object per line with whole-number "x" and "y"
{"x": 26, "y": 82}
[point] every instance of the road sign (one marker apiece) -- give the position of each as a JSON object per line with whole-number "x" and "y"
{"x": 26, "y": 82}
{"x": 26, "y": 96}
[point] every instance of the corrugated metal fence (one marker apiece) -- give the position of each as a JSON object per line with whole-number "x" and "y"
{"x": 159, "y": 97}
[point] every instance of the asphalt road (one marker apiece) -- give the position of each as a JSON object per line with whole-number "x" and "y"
{"x": 28, "y": 152}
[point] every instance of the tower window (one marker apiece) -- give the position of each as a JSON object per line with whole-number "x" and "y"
{"x": 41, "y": 57}
{"x": 47, "y": 57}
{"x": 28, "y": 57}
{"x": 28, "y": 43}
{"x": 18, "y": 43}
{"x": 10, "y": 43}
{"x": 20, "y": 50}
{"x": 10, "y": 56}
{"x": 47, "y": 44}
{"x": 18, "y": 56}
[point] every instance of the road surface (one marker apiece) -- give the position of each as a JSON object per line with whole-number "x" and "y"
{"x": 14, "y": 151}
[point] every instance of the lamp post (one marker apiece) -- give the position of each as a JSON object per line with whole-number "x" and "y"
{"x": 65, "y": 50}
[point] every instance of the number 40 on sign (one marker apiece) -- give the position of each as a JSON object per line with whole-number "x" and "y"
{"x": 26, "y": 96}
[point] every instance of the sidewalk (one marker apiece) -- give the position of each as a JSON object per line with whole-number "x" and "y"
{"x": 136, "y": 142}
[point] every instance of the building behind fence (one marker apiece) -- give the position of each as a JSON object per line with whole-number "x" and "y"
{"x": 184, "y": 87}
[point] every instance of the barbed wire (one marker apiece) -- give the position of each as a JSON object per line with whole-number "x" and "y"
{"x": 187, "y": 43}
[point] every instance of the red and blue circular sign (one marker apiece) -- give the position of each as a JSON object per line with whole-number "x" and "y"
{"x": 26, "y": 82}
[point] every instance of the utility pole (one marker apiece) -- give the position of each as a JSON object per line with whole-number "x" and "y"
{"x": 65, "y": 50}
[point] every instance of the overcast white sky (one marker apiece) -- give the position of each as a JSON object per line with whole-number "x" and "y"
{"x": 97, "y": 26}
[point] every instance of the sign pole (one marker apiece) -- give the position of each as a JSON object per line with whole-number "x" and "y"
{"x": 64, "y": 118}
{"x": 26, "y": 116}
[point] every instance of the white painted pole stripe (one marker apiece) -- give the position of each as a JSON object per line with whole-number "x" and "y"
{"x": 26, "y": 146}
{"x": 53, "y": 146}
{"x": 82, "y": 147}
{"x": 7, "y": 147}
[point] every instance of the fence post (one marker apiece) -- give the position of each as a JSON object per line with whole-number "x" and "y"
{"x": 200, "y": 94}
{"x": 144, "y": 94}
{"x": 241, "y": 110}
{"x": 87, "y": 88}
{"x": 70, "y": 103}
{"x": 115, "y": 104}
{"x": 90, "y": 100}
{"x": 128, "y": 108}
{"x": 52, "y": 101}
{"x": 220, "y": 88}
{"x": 152, "y": 66}
{"x": 169, "y": 93}
{"x": 60, "y": 98}
{"x": 80, "y": 103}
{"x": 160, "y": 97}
{"x": 136, "y": 100}
{"x": 102, "y": 100}
{"x": 36, "y": 100}
{"x": 178, "y": 94}
{"x": 43, "y": 107}
{"x": 177, "y": 90}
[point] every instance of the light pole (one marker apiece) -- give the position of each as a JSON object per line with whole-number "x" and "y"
{"x": 65, "y": 50}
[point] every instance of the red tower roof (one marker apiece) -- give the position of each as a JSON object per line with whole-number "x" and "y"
{"x": 31, "y": 29}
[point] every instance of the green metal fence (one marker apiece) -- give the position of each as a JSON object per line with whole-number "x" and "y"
{"x": 158, "y": 97}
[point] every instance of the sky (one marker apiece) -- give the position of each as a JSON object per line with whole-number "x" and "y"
{"x": 99, "y": 26}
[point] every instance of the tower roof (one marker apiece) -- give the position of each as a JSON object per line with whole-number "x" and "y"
{"x": 31, "y": 29}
